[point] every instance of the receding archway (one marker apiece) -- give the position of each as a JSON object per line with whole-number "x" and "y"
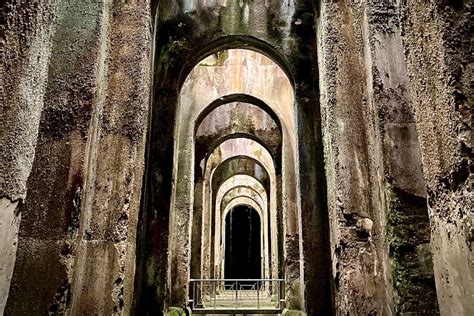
{"x": 249, "y": 73}
{"x": 168, "y": 104}
{"x": 277, "y": 92}
{"x": 227, "y": 150}
{"x": 269, "y": 227}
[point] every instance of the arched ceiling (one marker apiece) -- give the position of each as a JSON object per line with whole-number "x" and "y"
{"x": 239, "y": 181}
{"x": 240, "y": 147}
{"x": 244, "y": 190}
{"x": 240, "y": 165}
{"x": 243, "y": 200}
{"x": 234, "y": 72}
{"x": 238, "y": 117}
{"x": 238, "y": 71}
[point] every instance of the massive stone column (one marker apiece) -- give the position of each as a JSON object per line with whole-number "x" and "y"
{"x": 105, "y": 260}
{"x": 51, "y": 211}
{"x": 438, "y": 50}
{"x": 25, "y": 47}
{"x": 407, "y": 92}
{"x": 353, "y": 160}
{"x": 77, "y": 237}
{"x": 404, "y": 216}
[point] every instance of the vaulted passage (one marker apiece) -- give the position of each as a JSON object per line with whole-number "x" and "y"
{"x": 236, "y": 119}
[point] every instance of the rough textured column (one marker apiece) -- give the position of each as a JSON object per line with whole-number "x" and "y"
{"x": 438, "y": 49}
{"x": 104, "y": 273}
{"x": 353, "y": 161}
{"x": 77, "y": 236}
{"x": 50, "y": 214}
{"x": 404, "y": 217}
{"x": 197, "y": 230}
{"x": 25, "y": 47}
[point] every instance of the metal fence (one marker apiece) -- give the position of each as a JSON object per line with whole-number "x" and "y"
{"x": 242, "y": 295}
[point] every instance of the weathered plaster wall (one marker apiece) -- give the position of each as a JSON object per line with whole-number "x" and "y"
{"x": 25, "y": 48}
{"x": 77, "y": 237}
{"x": 438, "y": 50}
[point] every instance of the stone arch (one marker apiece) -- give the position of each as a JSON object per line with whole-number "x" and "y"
{"x": 226, "y": 169}
{"x": 280, "y": 98}
{"x": 220, "y": 238}
{"x": 217, "y": 122}
{"x": 227, "y": 42}
{"x": 244, "y": 190}
{"x": 171, "y": 85}
{"x": 239, "y": 97}
{"x": 218, "y": 156}
{"x": 264, "y": 177}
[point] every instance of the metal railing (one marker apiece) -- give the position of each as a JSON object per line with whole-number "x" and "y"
{"x": 242, "y": 295}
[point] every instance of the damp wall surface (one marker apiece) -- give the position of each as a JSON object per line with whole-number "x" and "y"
{"x": 352, "y": 161}
{"x": 397, "y": 133}
{"x": 26, "y": 32}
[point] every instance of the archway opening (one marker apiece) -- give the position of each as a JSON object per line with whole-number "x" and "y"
{"x": 243, "y": 244}
{"x": 217, "y": 89}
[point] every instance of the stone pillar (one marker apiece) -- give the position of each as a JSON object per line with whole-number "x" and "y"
{"x": 352, "y": 161}
{"x": 294, "y": 277}
{"x": 438, "y": 50}
{"x": 404, "y": 219}
{"x": 196, "y": 243}
{"x": 81, "y": 211}
{"x": 181, "y": 217}
{"x": 51, "y": 211}
{"x": 26, "y": 48}
{"x": 104, "y": 275}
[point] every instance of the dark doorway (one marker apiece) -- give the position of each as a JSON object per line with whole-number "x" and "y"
{"x": 242, "y": 244}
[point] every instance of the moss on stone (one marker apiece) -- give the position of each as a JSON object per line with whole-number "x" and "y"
{"x": 176, "y": 311}
{"x": 410, "y": 260}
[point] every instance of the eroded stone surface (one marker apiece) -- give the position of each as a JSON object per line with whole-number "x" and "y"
{"x": 382, "y": 88}
{"x": 9, "y": 226}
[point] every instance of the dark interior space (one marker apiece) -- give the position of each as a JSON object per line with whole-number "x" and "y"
{"x": 242, "y": 244}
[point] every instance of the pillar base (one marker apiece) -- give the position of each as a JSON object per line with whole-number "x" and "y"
{"x": 293, "y": 312}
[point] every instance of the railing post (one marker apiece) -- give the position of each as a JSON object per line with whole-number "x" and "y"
{"x": 279, "y": 295}
{"x": 214, "y": 291}
{"x": 236, "y": 295}
{"x": 258, "y": 295}
{"x": 194, "y": 295}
